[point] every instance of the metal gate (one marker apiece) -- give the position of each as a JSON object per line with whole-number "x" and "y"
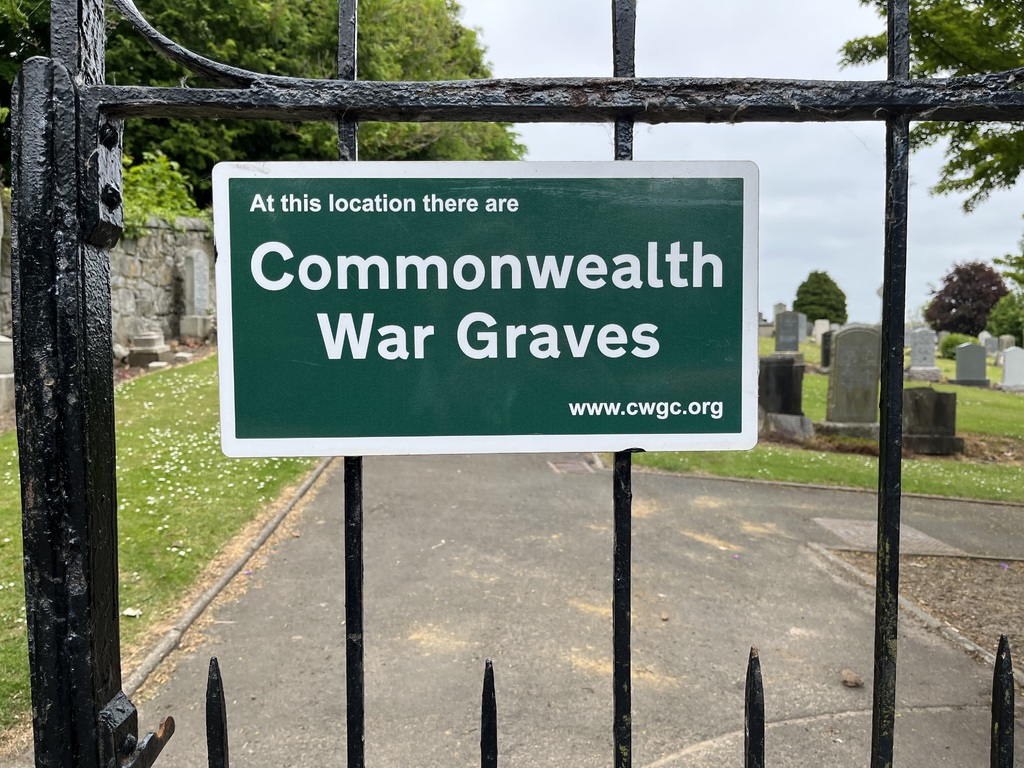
{"x": 67, "y": 215}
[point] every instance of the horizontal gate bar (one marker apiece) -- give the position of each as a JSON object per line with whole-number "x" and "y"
{"x": 996, "y": 97}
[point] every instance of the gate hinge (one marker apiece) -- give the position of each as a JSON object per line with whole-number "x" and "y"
{"x": 119, "y": 744}
{"x": 102, "y": 190}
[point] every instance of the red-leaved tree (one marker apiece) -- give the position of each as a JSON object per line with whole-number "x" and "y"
{"x": 968, "y": 293}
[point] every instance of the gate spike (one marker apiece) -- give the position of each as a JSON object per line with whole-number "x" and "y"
{"x": 1002, "y": 707}
{"x": 753, "y": 714}
{"x": 489, "y": 721}
{"x": 216, "y": 718}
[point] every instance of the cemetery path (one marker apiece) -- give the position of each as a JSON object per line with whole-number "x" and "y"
{"x": 509, "y": 558}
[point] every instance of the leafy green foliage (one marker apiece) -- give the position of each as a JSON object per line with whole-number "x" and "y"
{"x": 1007, "y": 316}
{"x": 819, "y": 297}
{"x": 950, "y": 38}
{"x": 947, "y": 347}
{"x": 969, "y": 292}
{"x": 398, "y": 40}
{"x": 1013, "y": 266}
{"x": 155, "y": 189}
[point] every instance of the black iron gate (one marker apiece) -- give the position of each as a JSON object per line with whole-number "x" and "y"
{"x": 67, "y": 214}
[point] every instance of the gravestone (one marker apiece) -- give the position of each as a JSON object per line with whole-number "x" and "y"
{"x": 1006, "y": 341}
{"x": 852, "y": 408}
{"x": 787, "y": 332}
{"x": 149, "y": 347}
{"x": 826, "y": 349}
{"x": 991, "y": 345}
{"x": 970, "y": 366}
{"x": 196, "y": 321}
{"x": 777, "y": 310}
{"x": 929, "y": 422}
{"x": 820, "y": 327}
{"x": 983, "y": 338}
{"x": 801, "y": 333}
{"x": 1013, "y": 370}
{"x": 780, "y": 382}
{"x": 922, "y": 356}
{"x": 6, "y": 374}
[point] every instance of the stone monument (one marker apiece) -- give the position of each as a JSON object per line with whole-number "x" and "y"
{"x": 852, "y": 408}
{"x": 148, "y": 345}
{"x": 6, "y": 374}
{"x": 787, "y": 332}
{"x": 196, "y": 323}
{"x": 929, "y": 422}
{"x": 780, "y": 382}
{"x": 821, "y": 326}
{"x": 826, "y": 349}
{"x": 1013, "y": 370}
{"x": 922, "y": 356}
{"x": 970, "y": 366}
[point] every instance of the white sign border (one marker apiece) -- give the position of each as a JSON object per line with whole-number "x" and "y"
{"x": 237, "y": 447}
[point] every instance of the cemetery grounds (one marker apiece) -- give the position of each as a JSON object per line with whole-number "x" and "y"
{"x": 186, "y": 511}
{"x": 978, "y": 597}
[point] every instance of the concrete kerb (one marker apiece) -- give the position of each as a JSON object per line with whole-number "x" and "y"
{"x": 172, "y": 639}
{"x": 925, "y": 618}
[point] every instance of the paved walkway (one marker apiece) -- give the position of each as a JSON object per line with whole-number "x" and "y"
{"x": 502, "y": 557}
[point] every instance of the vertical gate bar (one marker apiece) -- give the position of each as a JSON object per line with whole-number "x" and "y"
{"x": 489, "y": 720}
{"x": 1001, "y": 755}
{"x": 347, "y": 70}
{"x": 355, "y": 717}
{"x": 64, "y": 395}
{"x": 887, "y": 570}
{"x": 623, "y": 65}
{"x": 898, "y": 39}
{"x": 216, "y": 718}
{"x": 355, "y": 700}
{"x": 753, "y": 714}
{"x": 621, "y": 588}
{"x": 897, "y": 164}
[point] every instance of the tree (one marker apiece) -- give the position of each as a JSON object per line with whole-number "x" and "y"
{"x": 1007, "y": 316}
{"x": 819, "y": 297}
{"x": 398, "y": 40}
{"x": 949, "y": 38}
{"x": 962, "y": 305}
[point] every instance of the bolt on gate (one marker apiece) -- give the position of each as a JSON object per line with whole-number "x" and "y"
{"x": 67, "y": 214}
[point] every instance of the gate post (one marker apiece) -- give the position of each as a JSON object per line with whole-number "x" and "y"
{"x": 66, "y": 214}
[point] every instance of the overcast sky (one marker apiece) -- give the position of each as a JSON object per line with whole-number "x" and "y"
{"x": 822, "y": 185}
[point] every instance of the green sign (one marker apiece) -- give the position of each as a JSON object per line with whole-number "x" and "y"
{"x": 387, "y": 308}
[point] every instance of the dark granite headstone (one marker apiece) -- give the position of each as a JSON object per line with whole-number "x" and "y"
{"x": 780, "y": 385}
{"x": 826, "y": 348}
{"x": 929, "y": 422}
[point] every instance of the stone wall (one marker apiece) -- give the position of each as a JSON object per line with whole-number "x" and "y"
{"x": 154, "y": 281}
{"x": 151, "y": 279}
{"x": 5, "y": 261}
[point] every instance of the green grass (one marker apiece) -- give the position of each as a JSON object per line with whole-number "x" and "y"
{"x": 982, "y": 412}
{"x": 772, "y": 462}
{"x": 179, "y": 501}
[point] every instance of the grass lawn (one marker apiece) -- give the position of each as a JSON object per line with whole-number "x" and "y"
{"x": 179, "y": 501}
{"x": 980, "y": 412}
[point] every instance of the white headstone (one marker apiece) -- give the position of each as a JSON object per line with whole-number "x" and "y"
{"x": 1013, "y": 369}
{"x": 922, "y": 356}
{"x": 820, "y": 326}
